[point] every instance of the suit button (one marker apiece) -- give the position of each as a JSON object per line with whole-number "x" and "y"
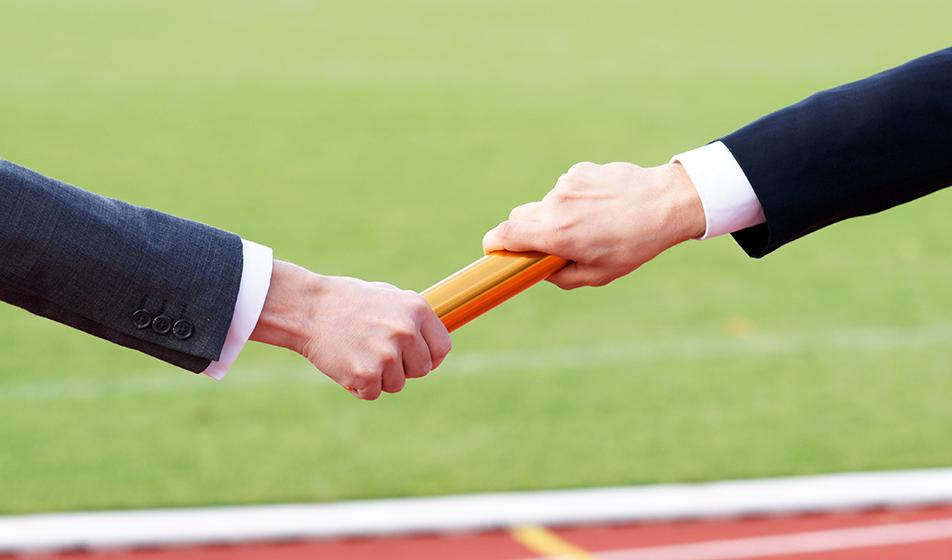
{"x": 161, "y": 324}
{"x": 142, "y": 319}
{"x": 183, "y": 329}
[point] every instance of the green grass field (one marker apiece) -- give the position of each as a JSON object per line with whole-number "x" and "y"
{"x": 380, "y": 140}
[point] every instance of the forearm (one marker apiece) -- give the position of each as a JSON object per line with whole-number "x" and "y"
{"x": 134, "y": 276}
{"x": 185, "y": 293}
{"x": 849, "y": 151}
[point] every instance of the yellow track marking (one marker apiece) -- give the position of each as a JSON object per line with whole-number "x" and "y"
{"x": 543, "y": 541}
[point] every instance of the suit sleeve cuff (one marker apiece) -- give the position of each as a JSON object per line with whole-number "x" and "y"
{"x": 255, "y": 281}
{"x": 726, "y": 194}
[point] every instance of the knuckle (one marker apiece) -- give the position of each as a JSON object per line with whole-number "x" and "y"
{"x": 367, "y": 376}
{"x": 621, "y": 166}
{"x": 577, "y": 185}
{"x": 386, "y": 358}
{"x": 403, "y": 330}
{"x": 571, "y": 188}
{"x": 419, "y": 306}
{"x": 366, "y": 371}
{"x": 570, "y": 180}
{"x": 361, "y": 371}
{"x": 582, "y": 167}
{"x": 564, "y": 194}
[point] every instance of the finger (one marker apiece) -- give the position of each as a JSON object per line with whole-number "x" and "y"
{"x": 437, "y": 339}
{"x": 517, "y": 235}
{"x": 394, "y": 378}
{"x": 528, "y": 212}
{"x": 572, "y": 276}
{"x": 369, "y": 393}
{"x": 366, "y": 387}
{"x": 416, "y": 358}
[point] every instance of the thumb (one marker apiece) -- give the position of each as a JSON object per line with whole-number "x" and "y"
{"x": 516, "y": 235}
{"x": 574, "y": 276}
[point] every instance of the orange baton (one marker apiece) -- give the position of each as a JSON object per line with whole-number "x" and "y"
{"x": 474, "y": 290}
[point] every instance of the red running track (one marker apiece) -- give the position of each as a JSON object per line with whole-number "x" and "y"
{"x": 896, "y": 534}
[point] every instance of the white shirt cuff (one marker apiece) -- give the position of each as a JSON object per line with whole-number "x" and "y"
{"x": 255, "y": 281}
{"x": 727, "y": 196}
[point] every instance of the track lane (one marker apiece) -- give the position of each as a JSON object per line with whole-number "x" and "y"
{"x": 905, "y": 531}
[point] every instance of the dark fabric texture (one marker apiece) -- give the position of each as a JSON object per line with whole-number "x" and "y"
{"x": 849, "y": 151}
{"x": 92, "y": 263}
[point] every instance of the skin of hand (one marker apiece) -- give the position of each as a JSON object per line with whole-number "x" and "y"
{"x": 606, "y": 219}
{"x": 367, "y": 336}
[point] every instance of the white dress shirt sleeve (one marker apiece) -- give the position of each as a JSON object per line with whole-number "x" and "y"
{"x": 255, "y": 281}
{"x": 727, "y": 196}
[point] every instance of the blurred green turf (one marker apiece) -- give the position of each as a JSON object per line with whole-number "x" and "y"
{"x": 381, "y": 139}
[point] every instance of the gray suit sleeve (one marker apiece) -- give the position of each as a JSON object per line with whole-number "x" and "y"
{"x": 134, "y": 276}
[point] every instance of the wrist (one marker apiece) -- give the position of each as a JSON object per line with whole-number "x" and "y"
{"x": 287, "y": 307}
{"x": 686, "y": 212}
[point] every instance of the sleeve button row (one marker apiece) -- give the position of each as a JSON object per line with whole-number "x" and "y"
{"x": 163, "y": 324}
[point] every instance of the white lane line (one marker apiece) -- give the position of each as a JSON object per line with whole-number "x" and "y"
{"x": 479, "y": 512}
{"x": 698, "y": 347}
{"x": 797, "y": 543}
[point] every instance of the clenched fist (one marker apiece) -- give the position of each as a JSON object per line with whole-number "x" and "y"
{"x": 367, "y": 336}
{"x": 607, "y": 219}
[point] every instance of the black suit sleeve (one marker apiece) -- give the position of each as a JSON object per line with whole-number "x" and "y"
{"x": 849, "y": 151}
{"x": 137, "y": 277}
